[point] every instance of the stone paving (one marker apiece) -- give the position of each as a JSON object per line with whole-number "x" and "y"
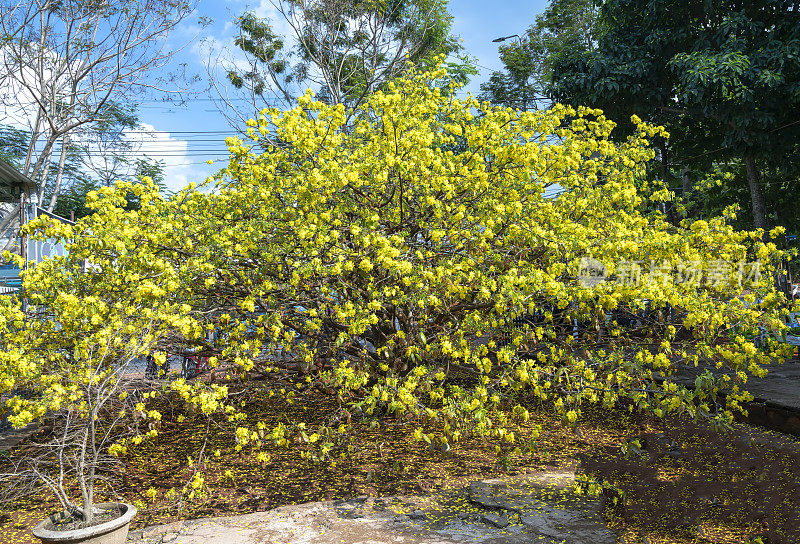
{"x": 10, "y": 437}
{"x": 536, "y": 508}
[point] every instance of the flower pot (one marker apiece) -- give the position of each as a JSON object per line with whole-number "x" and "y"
{"x": 114, "y": 531}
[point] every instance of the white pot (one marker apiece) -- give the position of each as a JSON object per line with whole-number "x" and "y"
{"x": 114, "y": 531}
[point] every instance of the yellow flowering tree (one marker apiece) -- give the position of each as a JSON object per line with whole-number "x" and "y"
{"x": 73, "y": 361}
{"x": 432, "y": 237}
{"x": 375, "y": 260}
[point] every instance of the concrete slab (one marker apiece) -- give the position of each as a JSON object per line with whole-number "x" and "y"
{"x": 540, "y": 507}
{"x": 10, "y": 437}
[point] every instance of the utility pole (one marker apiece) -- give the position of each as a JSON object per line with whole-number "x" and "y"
{"x": 23, "y": 241}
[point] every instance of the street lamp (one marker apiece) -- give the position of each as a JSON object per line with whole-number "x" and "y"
{"x": 504, "y": 38}
{"x": 524, "y": 86}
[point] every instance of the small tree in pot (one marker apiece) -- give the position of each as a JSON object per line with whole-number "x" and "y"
{"x": 72, "y": 362}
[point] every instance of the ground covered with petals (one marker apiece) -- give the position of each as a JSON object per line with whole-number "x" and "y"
{"x": 690, "y": 483}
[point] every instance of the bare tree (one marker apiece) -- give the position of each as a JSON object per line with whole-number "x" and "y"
{"x": 108, "y": 149}
{"x": 342, "y": 49}
{"x": 65, "y": 61}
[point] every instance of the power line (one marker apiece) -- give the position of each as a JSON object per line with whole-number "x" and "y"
{"x": 275, "y": 96}
{"x": 147, "y": 141}
{"x": 157, "y": 152}
{"x": 229, "y": 132}
{"x": 487, "y": 68}
{"x": 165, "y": 153}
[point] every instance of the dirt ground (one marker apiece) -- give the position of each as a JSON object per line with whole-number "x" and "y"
{"x": 691, "y": 484}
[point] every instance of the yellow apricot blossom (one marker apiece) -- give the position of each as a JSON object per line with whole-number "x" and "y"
{"x": 375, "y": 254}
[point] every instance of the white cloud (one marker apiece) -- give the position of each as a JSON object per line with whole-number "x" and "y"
{"x": 266, "y": 10}
{"x": 158, "y": 144}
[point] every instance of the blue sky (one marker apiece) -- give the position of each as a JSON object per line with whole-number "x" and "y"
{"x": 188, "y": 134}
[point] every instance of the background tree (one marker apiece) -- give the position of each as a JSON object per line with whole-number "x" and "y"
{"x": 98, "y": 155}
{"x": 73, "y": 199}
{"x": 566, "y": 26}
{"x": 723, "y": 77}
{"x": 343, "y": 49}
{"x": 107, "y": 147}
{"x": 65, "y": 62}
{"x": 12, "y": 144}
{"x": 153, "y": 169}
{"x": 13, "y": 147}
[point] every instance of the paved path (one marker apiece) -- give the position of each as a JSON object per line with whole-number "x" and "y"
{"x": 776, "y": 397}
{"x": 10, "y": 437}
{"x": 780, "y": 387}
{"x": 536, "y": 508}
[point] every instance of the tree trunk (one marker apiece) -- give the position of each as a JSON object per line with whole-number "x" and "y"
{"x": 686, "y": 182}
{"x": 44, "y": 169}
{"x": 86, "y": 501}
{"x": 756, "y": 194}
{"x": 60, "y": 174}
{"x": 32, "y": 142}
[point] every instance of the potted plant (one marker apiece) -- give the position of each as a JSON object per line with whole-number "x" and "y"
{"x": 82, "y": 389}
{"x": 73, "y": 359}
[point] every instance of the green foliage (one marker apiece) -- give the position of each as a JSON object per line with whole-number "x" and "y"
{"x": 73, "y": 198}
{"x": 13, "y": 144}
{"x": 722, "y": 77}
{"x": 346, "y": 48}
{"x": 565, "y": 27}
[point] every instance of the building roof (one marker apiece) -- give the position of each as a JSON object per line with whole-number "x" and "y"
{"x": 12, "y": 183}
